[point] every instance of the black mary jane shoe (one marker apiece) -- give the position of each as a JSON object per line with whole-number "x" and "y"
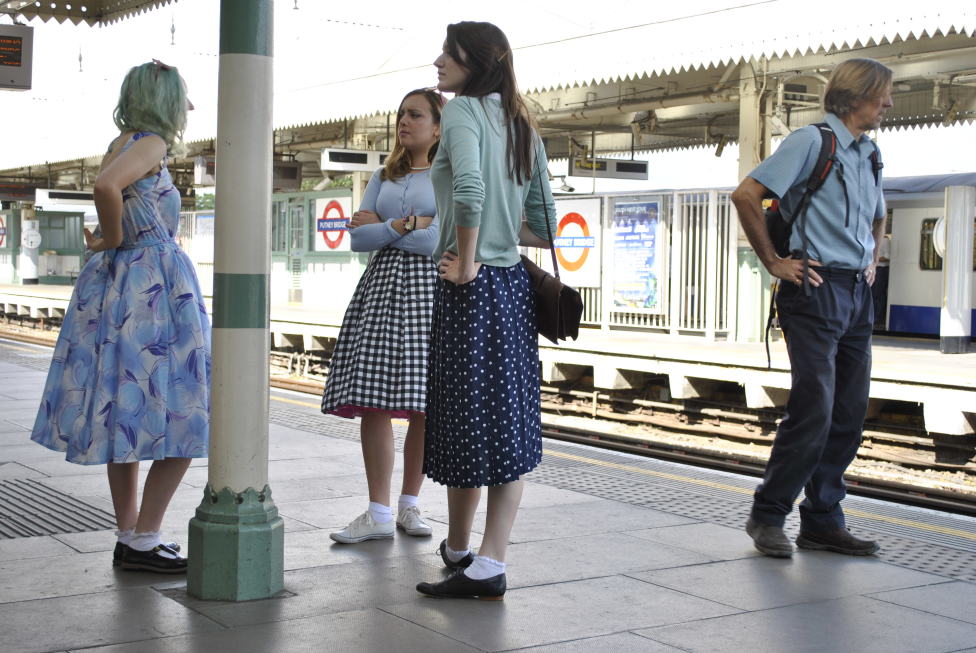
{"x": 160, "y": 559}
{"x": 450, "y": 564}
{"x": 459, "y": 586}
{"x": 120, "y": 550}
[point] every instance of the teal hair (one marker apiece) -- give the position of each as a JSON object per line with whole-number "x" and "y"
{"x": 153, "y": 99}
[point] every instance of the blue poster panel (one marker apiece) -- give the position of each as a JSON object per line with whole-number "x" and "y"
{"x": 637, "y": 257}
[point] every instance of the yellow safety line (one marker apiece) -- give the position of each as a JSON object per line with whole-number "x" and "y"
{"x": 15, "y": 348}
{"x": 649, "y": 472}
{"x": 296, "y": 402}
{"x": 913, "y": 524}
{"x": 933, "y": 528}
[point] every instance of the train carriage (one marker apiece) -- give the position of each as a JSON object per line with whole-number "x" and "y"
{"x": 688, "y": 279}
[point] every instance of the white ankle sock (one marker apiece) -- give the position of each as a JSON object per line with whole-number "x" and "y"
{"x": 484, "y": 567}
{"x": 380, "y": 513}
{"x": 455, "y": 556}
{"x": 145, "y": 541}
{"x": 125, "y": 536}
{"x": 407, "y": 501}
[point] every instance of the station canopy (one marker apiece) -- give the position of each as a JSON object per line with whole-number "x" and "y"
{"x": 636, "y": 77}
{"x": 92, "y": 12}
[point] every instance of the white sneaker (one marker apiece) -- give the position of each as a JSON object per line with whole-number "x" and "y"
{"x": 363, "y": 528}
{"x": 410, "y": 522}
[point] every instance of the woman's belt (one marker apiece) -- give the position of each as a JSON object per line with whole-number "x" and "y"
{"x": 140, "y": 244}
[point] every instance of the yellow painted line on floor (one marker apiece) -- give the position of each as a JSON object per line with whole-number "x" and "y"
{"x": 16, "y": 348}
{"x": 296, "y": 402}
{"x": 649, "y": 472}
{"x": 922, "y": 526}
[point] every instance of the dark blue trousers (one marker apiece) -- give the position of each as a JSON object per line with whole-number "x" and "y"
{"x": 828, "y": 337}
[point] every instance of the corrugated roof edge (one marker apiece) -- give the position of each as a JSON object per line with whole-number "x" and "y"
{"x": 107, "y": 17}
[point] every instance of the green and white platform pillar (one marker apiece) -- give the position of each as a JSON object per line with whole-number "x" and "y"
{"x": 237, "y": 538}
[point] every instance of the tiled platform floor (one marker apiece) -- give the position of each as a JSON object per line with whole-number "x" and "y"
{"x": 610, "y": 553}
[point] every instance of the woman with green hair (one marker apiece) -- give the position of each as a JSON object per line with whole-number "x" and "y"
{"x": 130, "y": 375}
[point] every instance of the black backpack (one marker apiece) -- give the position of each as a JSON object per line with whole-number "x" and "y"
{"x": 780, "y": 229}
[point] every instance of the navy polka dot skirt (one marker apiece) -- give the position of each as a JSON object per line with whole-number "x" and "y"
{"x": 483, "y": 425}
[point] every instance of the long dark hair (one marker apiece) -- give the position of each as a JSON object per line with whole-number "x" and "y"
{"x": 398, "y": 163}
{"x": 489, "y": 62}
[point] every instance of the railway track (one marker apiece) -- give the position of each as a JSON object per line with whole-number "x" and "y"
{"x": 732, "y": 438}
{"x": 897, "y": 460}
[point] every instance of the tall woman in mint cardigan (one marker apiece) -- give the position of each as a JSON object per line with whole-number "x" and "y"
{"x": 483, "y": 424}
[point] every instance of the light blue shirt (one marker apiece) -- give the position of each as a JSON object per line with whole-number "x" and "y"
{"x": 833, "y": 238}
{"x": 411, "y": 194}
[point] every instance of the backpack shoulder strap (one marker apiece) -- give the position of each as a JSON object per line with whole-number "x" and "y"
{"x": 821, "y": 170}
{"x": 876, "y": 164}
{"x": 825, "y": 160}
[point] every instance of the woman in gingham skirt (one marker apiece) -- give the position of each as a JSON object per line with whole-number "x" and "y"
{"x": 379, "y": 367}
{"x": 483, "y": 422}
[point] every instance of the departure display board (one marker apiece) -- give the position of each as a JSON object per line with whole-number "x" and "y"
{"x": 11, "y": 50}
{"x": 16, "y": 50}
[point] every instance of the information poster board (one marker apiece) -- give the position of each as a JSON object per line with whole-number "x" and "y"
{"x": 331, "y": 224}
{"x": 577, "y": 241}
{"x": 638, "y": 259}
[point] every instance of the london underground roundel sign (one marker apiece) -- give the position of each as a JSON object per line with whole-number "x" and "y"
{"x": 579, "y": 246}
{"x": 333, "y": 221}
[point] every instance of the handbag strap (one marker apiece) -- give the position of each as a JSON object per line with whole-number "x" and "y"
{"x": 545, "y": 208}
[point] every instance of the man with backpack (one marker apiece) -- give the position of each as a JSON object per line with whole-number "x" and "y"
{"x": 828, "y": 181}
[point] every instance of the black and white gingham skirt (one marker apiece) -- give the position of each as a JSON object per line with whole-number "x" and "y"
{"x": 380, "y": 359}
{"x": 483, "y": 423}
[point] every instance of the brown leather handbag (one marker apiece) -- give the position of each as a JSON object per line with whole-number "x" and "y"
{"x": 558, "y": 307}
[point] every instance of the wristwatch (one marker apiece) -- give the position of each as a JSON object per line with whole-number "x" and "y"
{"x": 410, "y": 223}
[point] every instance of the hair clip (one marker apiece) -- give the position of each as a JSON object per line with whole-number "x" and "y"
{"x": 504, "y": 54}
{"x": 160, "y": 66}
{"x": 440, "y": 96}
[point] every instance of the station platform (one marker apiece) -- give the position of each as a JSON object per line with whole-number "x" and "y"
{"x": 904, "y": 369}
{"x": 610, "y": 552}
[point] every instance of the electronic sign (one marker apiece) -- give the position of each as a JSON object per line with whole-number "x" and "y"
{"x": 16, "y": 56}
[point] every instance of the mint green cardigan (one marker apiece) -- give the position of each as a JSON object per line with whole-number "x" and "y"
{"x": 472, "y": 187}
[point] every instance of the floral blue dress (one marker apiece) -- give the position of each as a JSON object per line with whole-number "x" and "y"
{"x": 130, "y": 376}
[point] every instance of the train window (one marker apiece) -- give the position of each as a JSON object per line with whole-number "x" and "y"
{"x": 928, "y": 258}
